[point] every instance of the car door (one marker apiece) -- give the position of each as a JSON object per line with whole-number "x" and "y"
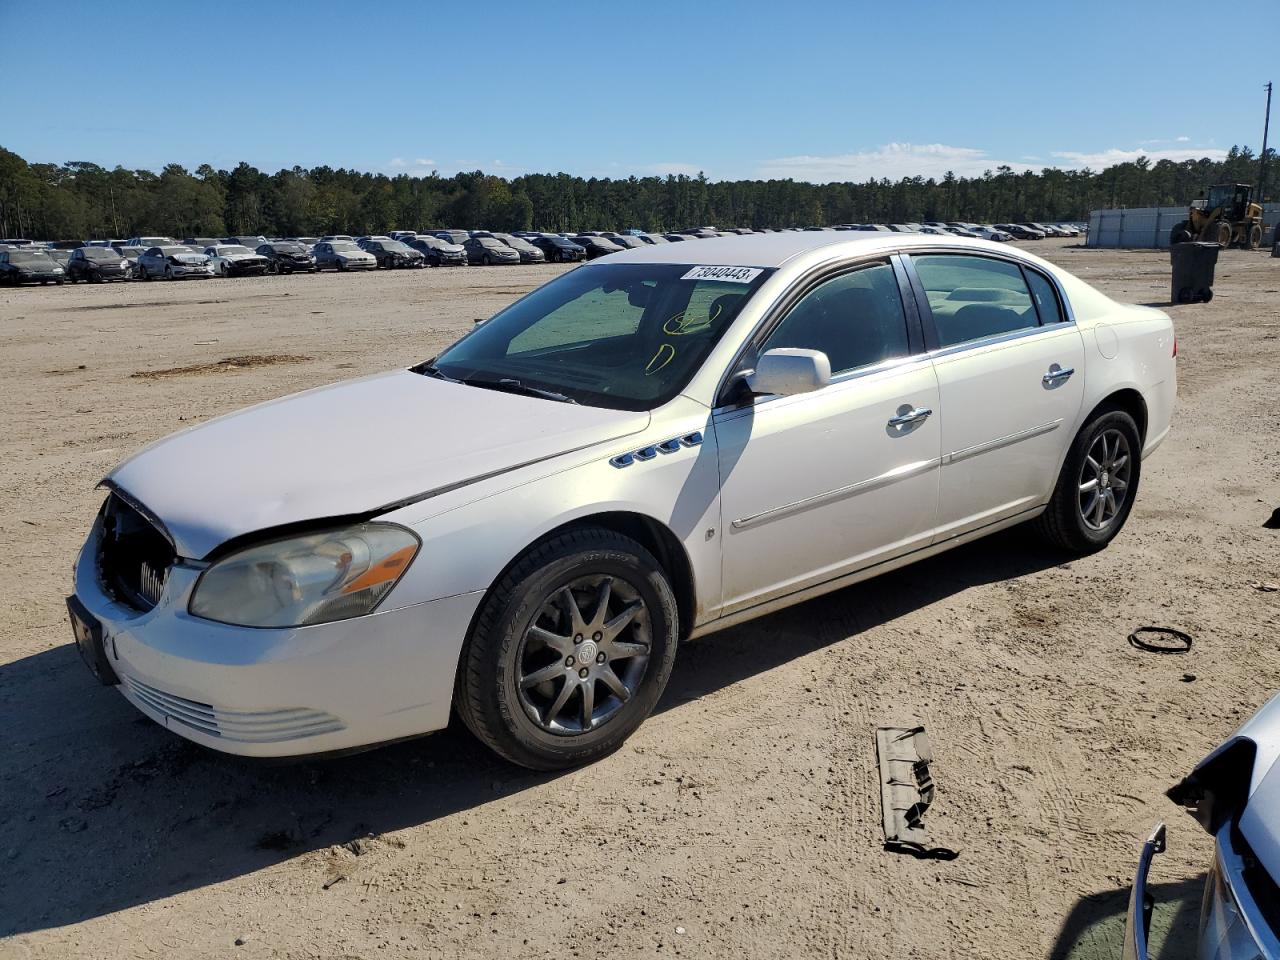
{"x": 817, "y": 485}
{"x": 1010, "y": 369}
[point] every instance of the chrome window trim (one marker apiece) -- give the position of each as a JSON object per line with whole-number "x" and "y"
{"x": 853, "y": 489}
{"x": 996, "y": 339}
{"x": 1008, "y": 440}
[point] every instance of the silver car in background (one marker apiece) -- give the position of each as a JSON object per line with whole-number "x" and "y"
{"x": 342, "y": 255}
{"x": 1235, "y": 794}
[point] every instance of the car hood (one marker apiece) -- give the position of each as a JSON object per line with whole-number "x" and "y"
{"x": 243, "y": 256}
{"x": 192, "y": 259}
{"x": 347, "y": 449}
{"x": 355, "y": 255}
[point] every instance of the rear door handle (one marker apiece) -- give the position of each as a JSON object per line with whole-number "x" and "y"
{"x": 914, "y": 415}
{"x": 1057, "y": 374}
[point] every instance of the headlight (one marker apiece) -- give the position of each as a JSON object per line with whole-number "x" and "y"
{"x": 316, "y": 578}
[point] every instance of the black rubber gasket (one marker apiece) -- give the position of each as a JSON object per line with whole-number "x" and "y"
{"x": 920, "y": 851}
{"x": 1136, "y": 641}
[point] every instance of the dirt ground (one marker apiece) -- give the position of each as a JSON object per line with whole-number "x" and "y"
{"x": 743, "y": 820}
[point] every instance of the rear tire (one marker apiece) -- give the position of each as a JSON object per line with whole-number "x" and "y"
{"x": 1104, "y": 464}
{"x": 1254, "y": 240}
{"x": 526, "y": 629}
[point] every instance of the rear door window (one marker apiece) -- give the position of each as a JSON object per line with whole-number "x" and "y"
{"x": 974, "y": 297}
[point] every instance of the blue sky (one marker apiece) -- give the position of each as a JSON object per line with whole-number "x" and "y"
{"x": 817, "y": 91}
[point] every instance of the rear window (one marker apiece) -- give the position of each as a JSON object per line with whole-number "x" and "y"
{"x": 1046, "y": 298}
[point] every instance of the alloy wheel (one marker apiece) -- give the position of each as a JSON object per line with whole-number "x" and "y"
{"x": 584, "y": 655}
{"x": 1104, "y": 479}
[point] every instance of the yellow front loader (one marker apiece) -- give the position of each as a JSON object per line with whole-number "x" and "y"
{"x": 1229, "y": 217}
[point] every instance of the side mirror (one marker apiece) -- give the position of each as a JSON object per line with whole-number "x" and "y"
{"x": 790, "y": 370}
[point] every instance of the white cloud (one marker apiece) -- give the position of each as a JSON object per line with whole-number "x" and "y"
{"x": 418, "y": 167}
{"x": 1183, "y": 139}
{"x": 892, "y": 161}
{"x": 1109, "y": 158}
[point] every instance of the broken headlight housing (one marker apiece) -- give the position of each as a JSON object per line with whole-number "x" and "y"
{"x": 314, "y": 578}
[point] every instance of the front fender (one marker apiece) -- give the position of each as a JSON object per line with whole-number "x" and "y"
{"x": 466, "y": 546}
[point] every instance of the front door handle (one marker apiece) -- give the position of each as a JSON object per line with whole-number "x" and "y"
{"x": 914, "y": 415}
{"x": 1057, "y": 375}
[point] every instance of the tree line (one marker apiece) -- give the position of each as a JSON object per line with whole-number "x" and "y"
{"x": 80, "y": 200}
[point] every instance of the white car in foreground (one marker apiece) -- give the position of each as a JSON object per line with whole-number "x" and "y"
{"x": 648, "y": 448}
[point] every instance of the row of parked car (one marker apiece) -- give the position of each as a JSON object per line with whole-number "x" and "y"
{"x": 156, "y": 257}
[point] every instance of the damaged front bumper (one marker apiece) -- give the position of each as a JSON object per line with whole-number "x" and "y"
{"x": 274, "y": 692}
{"x": 1232, "y": 925}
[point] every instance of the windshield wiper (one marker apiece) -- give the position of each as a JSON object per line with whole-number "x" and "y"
{"x": 512, "y": 385}
{"x": 429, "y": 369}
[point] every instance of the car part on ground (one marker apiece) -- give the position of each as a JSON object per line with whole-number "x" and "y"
{"x": 1181, "y": 641}
{"x": 907, "y": 790}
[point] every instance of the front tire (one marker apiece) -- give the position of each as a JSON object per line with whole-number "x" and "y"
{"x": 570, "y": 652}
{"x": 1097, "y": 485}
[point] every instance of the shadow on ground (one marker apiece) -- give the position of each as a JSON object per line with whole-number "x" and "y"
{"x": 101, "y": 809}
{"x": 1094, "y": 929}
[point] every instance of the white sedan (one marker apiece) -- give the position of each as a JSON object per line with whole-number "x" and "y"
{"x": 649, "y": 448}
{"x": 233, "y": 260}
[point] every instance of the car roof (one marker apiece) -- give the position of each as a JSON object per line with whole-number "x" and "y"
{"x": 775, "y": 249}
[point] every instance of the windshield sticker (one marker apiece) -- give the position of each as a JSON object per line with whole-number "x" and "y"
{"x": 731, "y": 274}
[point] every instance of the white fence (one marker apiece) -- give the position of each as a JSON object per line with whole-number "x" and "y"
{"x": 1151, "y": 226}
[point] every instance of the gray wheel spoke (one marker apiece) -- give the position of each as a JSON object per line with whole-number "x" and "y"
{"x": 570, "y": 603}
{"x": 1120, "y": 485}
{"x": 542, "y": 676}
{"x": 620, "y": 650}
{"x": 1093, "y": 465}
{"x": 1100, "y": 506}
{"x": 588, "y": 704}
{"x": 602, "y": 604}
{"x": 561, "y": 645}
{"x": 620, "y": 622}
{"x": 570, "y": 684}
{"x": 1089, "y": 485}
{"x": 610, "y": 680}
{"x": 1111, "y": 504}
{"x": 1119, "y": 461}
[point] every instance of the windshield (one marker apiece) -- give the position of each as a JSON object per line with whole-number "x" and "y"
{"x": 232, "y": 249}
{"x": 99, "y": 253}
{"x": 288, "y": 248}
{"x": 395, "y": 246}
{"x": 627, "y": 336}
{"x": 23, "y": 256}
{"x": 343, "y": 246}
